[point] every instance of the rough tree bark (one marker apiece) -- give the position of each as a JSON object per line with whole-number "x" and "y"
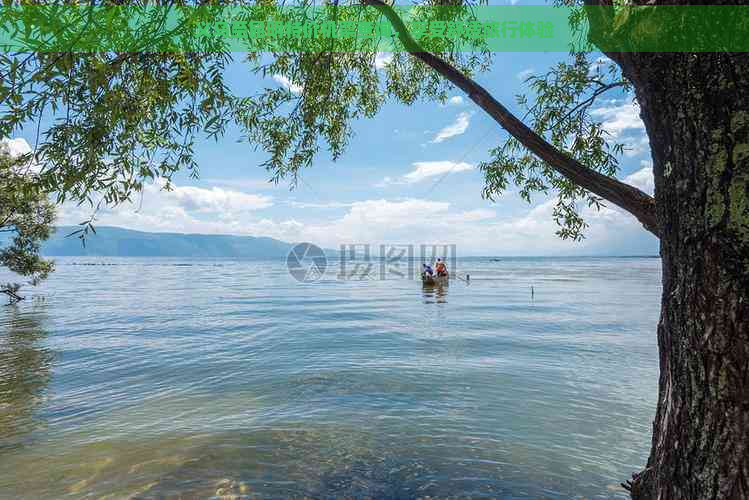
{"x": 696, "y": 112}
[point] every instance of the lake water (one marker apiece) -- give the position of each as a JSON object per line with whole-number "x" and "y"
{"x": 178, "y": 378}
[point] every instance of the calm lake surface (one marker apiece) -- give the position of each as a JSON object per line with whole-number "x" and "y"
{"x": 179, "y": 378}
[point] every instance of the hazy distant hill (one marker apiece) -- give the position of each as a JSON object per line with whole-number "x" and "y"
{"x": 118, "y": 242}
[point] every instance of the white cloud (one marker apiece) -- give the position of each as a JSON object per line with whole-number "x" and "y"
{"x": 457, "y": 128}
{"x": 246, "y": 184}
{"x": 331, "y": 204}
{"x": 525, "y": 74}
{"x": 183, "y": 209}
{"x": 455, "y": 100}
{"x": 643, "y": 178}
{"x": 390, "y": 221}
{"x": 216, "y": 200}
{"x": 476, "y": 231}
{"x": 611, "y": 231}
{"x": 398, "y": 213}
{"x": 618, "y": 118}
{"x": 382, "y": 59}
{"x": 19, "y": 147}
{"x": 426, "y": 169}
{"x": 288, "y": 84}
{"x": 15, "y": 147}
{"x": 476, "y": 215}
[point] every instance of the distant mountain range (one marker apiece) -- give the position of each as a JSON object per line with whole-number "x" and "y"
{"x": 118, "y": 242}
{"x": 112, "y": 241}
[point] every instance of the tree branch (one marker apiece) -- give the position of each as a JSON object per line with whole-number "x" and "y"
{"x": 631, "y": 199}
{"x": 12, "y": 295}
{"x": 587, "y": 103}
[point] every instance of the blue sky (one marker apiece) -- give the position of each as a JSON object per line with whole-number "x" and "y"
{"x": 408, "y": 176}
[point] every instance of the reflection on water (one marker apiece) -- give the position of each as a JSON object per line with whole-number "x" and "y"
{"x": 435, "y": 293}
{"x": 157, "y": 379}
{"x": 24, "y": 373}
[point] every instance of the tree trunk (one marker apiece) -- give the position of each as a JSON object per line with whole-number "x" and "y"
{"x": 696, "y": 112}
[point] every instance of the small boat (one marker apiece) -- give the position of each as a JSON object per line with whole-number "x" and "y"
{"x": 434, "y": 280}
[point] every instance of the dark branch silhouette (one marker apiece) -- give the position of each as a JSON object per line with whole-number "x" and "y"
{"x": 629, "y": 198}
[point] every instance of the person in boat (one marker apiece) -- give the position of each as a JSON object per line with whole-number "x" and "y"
{"x": 427, "y": 270}
{"x": 441, "y": 268}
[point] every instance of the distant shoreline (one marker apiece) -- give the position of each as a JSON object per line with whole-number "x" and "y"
{"x": 116, "y": 242}
{"x": 359, "y": 258}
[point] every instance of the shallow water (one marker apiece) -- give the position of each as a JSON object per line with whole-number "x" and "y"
{"x": 156, "y": 378}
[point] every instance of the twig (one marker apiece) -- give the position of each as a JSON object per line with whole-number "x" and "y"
{"x": 13, "y": 296}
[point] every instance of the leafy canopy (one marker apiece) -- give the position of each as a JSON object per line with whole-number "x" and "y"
{"x": 117, "y": 120}
{"x": 27, "y": 218}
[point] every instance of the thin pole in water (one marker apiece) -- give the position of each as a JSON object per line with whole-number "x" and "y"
{"x": 532, "y": 292}
{"x": 466, "y": 279}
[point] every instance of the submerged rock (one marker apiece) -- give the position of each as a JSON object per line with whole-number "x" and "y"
{"x": 229, "y": 489}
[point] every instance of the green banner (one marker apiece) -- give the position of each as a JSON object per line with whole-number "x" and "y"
{"x": 260, "y": 27}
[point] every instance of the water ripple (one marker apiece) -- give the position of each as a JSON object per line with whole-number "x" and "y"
{"x": 165, "y": 377}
